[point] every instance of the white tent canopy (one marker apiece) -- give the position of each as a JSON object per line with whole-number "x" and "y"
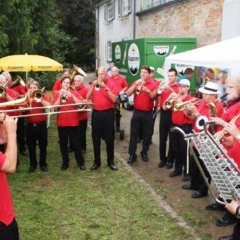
{"x": 225, "y": 54}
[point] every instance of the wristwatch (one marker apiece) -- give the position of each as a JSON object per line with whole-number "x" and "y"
{"x": 237, "y": 214}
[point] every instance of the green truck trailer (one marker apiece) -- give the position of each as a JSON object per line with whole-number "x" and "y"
{"x": 130, "y": 55}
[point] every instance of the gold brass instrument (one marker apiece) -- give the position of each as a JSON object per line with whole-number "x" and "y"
{"x": 180, "y": 106}
{"x": 18, "y": 81}
{"x": 98, "y": 84}
{"x": 37, "y": 95}
{"x": 169, "y": 104}
{"x": 139, "y": 86}
{"x": 77, "y": 70}
{"x": 18, "y": 103}
{"x": 3, "y": 90}
{"x": 64, "y": 97}
{"x": 223, "y": 170}
{"x": 223, "y": 131}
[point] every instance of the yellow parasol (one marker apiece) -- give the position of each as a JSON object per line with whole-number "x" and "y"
{"x": 27, "y": 63}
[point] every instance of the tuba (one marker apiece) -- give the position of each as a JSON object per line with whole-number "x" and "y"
{"x": 77, "y": 70}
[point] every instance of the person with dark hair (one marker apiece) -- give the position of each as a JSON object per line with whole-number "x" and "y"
{"x": 8, "y": 162}
{"x": 165, "y": 123}
{"x": 188, "y": 74}
{"x": 103, "y": 95}
{"x": 68, "y": 123}
{"x": 36, "y": 128}
{"x": 58, "y": 82}
{"x": 142, "y": 118}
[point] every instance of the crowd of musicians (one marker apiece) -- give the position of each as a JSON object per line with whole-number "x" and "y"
{"x": 171, "y": 98}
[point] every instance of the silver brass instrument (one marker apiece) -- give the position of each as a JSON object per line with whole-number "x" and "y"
{"x": 139, "y": 86}
{"x": 161, "y": 87}
{"x": 222, "y": 169}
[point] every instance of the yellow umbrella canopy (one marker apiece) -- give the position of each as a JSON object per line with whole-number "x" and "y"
{"x": 27, "y": 63}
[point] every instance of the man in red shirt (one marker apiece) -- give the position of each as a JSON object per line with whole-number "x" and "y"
{"x": 166, "y": 119}
{"x": 142, "y": 119}
{"x": 103, "y": 96}
{"x": 83, "y": 116}
{"x": 121, "y": 85}
{"x": 36, "y": 128}
{"x": 68, "y": 122}
{"x": 180, "y": 120}
{"x": 8, "y": 161}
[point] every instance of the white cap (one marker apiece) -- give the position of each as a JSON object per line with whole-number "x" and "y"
{"x": 185, "y": 82}
{"x": 152, "y": 69}
{"x": 210, "y": 88}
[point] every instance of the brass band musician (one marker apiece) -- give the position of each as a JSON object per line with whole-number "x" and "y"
{"x": 36, "y": 128}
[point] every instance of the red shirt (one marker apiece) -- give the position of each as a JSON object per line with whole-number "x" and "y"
{"x": 178, "y": 117}
{"x": 204, "y": 110}
{"x": 57, "y": 85}
{"x": 233, "y": 152}
{"x": 165, "y": 94}
{"x": 39, "y": 118}
{"x": 143, "y": 101}
{"x": 100, "y": 98}
{"x": 69, "y": 119}
{"x": 21, "y": 90}
{"x": 119, "y": 82}
{"x": 83, "y": 92}
{"x": 6, "y": 206}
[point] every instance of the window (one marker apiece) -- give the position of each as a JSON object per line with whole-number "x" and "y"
{"x": 124, "y": 7}
{"x": 108, "y": 51}
{"x": 109, "y": 11}
{"x": 146, "y": 4}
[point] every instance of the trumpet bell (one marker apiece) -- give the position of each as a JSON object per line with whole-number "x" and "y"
{"x": 200, "y": 122}
{"x": 77, "y": 70}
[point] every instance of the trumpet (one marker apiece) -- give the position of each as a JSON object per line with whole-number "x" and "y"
{"x": 139, "y": 86}
{"x": 64, "y": 96}
{"x": 161, "y": 87}
{"x": 37, "y": 95}
{"x": 169, "y": 104}
{"x": 98, "y": 84}
{"x": 223, "y": 131}
{"x": 181, "y": 106}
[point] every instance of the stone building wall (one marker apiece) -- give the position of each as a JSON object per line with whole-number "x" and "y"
{"x": 185, "y": 18}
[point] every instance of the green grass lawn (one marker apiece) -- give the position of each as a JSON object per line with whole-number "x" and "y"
{"x": 76, "y": 205}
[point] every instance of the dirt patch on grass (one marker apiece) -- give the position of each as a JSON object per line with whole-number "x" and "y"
{"x": 192, "y": 211}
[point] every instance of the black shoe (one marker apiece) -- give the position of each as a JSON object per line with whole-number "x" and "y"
{"x": 169, "y": 165}
{"x": 64, "y": 167}
{"x": 112, "y": 167}
{"x": 175, "y": 173}
{"x": 132, "y": 159}
{"x": 144, "y": 157}
{"x": 82, "y": 167}
{"x": 188, "y": 187}
{"x": 199, "y": 194}
{"x": 226, "y": 238}
{"x": 32, "y": 169}
{"x": 226, "y": 220}
{"x": 44, "y": 168}
{"x": 185, "y": 177}
{"x": 95, "y": 166}
{"x": 215, "y": 206}
{"x": 161, "y": 164}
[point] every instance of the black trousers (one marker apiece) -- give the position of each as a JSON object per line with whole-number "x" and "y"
{"x": 103, "y": 128}
{"x": 9, "y": 232}
{"x": 140, "y": 122}
{"x": 73, "y": 134}
{"x": 21, "y": 133}
{"x": 236, "y": 231}
{"x": 82, "y": 134}
{"x": 118, "y": 115}
{"x": 180, "y": 146}
{"x": 164, "y": 130}
{"x": 196, "y": 178}
{"x": 34, "y": 133}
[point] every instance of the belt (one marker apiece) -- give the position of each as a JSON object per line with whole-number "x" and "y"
{"x": 37, "y": 124}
